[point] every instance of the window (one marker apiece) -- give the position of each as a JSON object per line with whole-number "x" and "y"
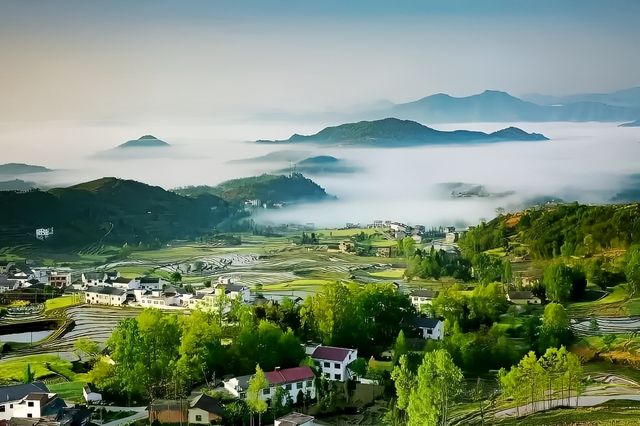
{"x": 266, "y": 391}
{"x": 10, "y": 405}
{"x": 336, "y": 365}
{"x": 29, "y": 415}
{"x": 327, "y": 364}
{"x": 2, "y": 408}
{"x": 327, "y": 375}
{"x": 198, "y": 418}
{"x": 30, "y": 404}
{"x": 338, "y": 377}
{"x": 429, "y": 331}
{"x": 299, "y": 385}
{"x": 309, "y": 383}
{"x": 287, "y": 386}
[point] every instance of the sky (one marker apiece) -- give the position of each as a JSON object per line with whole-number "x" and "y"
{"x": 126, "y": 61}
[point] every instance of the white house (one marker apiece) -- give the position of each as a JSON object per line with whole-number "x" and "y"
{"x": 420, "y": 298}
{"x": 431, "y": 328}
{"x": 398, "y": 227}
{"x": 43, "y": 233}
{"x": 10, "y": 396}
{"x": 101, "y": 295}
{"x": 233, "y": 291}
{"x": 297, "y": 382}
{"x": 151, "y": 283}
{"x": 38, "y": 404}
{"x": 90, "y": 396}
{"x": 93, "y": 278}
{"x": 333, "y": 361}
{"x": 295, "y": 419}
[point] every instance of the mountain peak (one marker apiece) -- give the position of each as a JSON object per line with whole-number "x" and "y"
{"x": 146, "y": 141}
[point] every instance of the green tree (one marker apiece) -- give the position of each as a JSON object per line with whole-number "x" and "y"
{"x": 507, "y": 272}
{"x": 176, "y": 277}
{"x": 632, "y": 269}
{"x": 28, "y": 374}
{"x": 404, "y": 382}
{"x": 254, "y": 390}
{"x": 558, "y": 282}
{"x": 438, "y": 382}
{"x": 87, "y": 347}
{"x": 400, "y": 347}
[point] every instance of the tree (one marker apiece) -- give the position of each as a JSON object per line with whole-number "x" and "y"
{"x": 558, "y": 282}
{"x": 404, "y": 382}
{"x": 28, "y": 375}
{"x": 254, "y": 390}
{"x": 507, "y": 273}
{"x": 87, "y": 347}
{"x": 438, "y": 382}
{"x": 400, "y": 347}
{"x": 632, "y": 269}
{"x": 556, "y": 327}
{"x": 176, "y": 277}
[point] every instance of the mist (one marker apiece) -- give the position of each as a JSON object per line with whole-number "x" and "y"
{"x": 586, "y": 162}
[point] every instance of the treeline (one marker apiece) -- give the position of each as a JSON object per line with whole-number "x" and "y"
{"x": 160, "y": 354}
{"x": 435, "y": 264}
{"x": 569, "y": 229}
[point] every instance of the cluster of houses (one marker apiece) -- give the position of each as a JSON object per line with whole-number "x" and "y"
{"x": 32, "y": 404}
{"x": 109, "y": 288}
{"x": 14, "y": 277}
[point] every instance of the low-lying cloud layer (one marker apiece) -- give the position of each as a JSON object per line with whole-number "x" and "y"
{"x": 588, "y": 162}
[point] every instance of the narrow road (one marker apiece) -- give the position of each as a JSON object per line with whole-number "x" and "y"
{"x": 141, "y": 413}
{"x": 583, "y": 401}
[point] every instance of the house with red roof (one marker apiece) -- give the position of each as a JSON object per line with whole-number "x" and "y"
{"x": 297, "y": 382}
{"x": 332, "y": 361}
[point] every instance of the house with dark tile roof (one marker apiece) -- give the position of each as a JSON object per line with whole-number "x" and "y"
{"x": 333, "y": 362}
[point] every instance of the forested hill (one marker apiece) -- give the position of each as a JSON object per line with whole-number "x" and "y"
{"x": 568, "y": 229}
{"x": 107, "y": 210}
{"x": 394, "y": 133}
{"x": 266, "y": 188}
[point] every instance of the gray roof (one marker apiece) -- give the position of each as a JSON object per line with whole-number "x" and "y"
{"x": 112, "y": 291}
{"x": 208, "y": 404}
{"x": 421, "y": 322}
{"x": 16, "y": 392}
{"x": 424, "y": 293}
{"x": 94, "y": 276}
{"x": 149, "y": 280}
{"x": 520, "y": 295}
{"x": 294, "y": 419}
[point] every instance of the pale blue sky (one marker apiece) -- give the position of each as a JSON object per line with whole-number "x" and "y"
{"x": 89, "y": 59}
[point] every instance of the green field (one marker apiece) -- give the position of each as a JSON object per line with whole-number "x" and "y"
{"x": 43, "y": 366}
{"x": 615, "y": 304}
{"x": 62, "y": 302}
{"x": 391, "y": 274}
{"x": 69, "y": 391}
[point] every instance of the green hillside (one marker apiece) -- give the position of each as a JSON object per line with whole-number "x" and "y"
{"x": 266, "y": 188}
{"x": 109, "y": 210}
{"x": 563, "y": 229}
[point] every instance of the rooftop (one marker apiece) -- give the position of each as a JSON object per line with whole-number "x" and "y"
{"x": 208, "y": 404}
{"x": 331, "y": 353}
{"x": 422, "y": 322}
{"x": 289, "y": 375}
{"x": 424, "y": 293}
{"x": 520, "y": 295}
{"x": 106, "y": 290}
{"x": 16, "y": 392}
{"x": 294, "y": 419}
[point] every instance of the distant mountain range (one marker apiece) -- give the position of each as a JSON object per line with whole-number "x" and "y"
{"x": 146, "y": 141}
{"x": 13, "y": 169}
{"x": 268, "y": 189}
{"x": 631, "y": 124}
{"x": 108, "y": 210}
{"x": 629, "y": 98}
{"x": 496, "y": 106}
{"x": 393, "y": 133}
